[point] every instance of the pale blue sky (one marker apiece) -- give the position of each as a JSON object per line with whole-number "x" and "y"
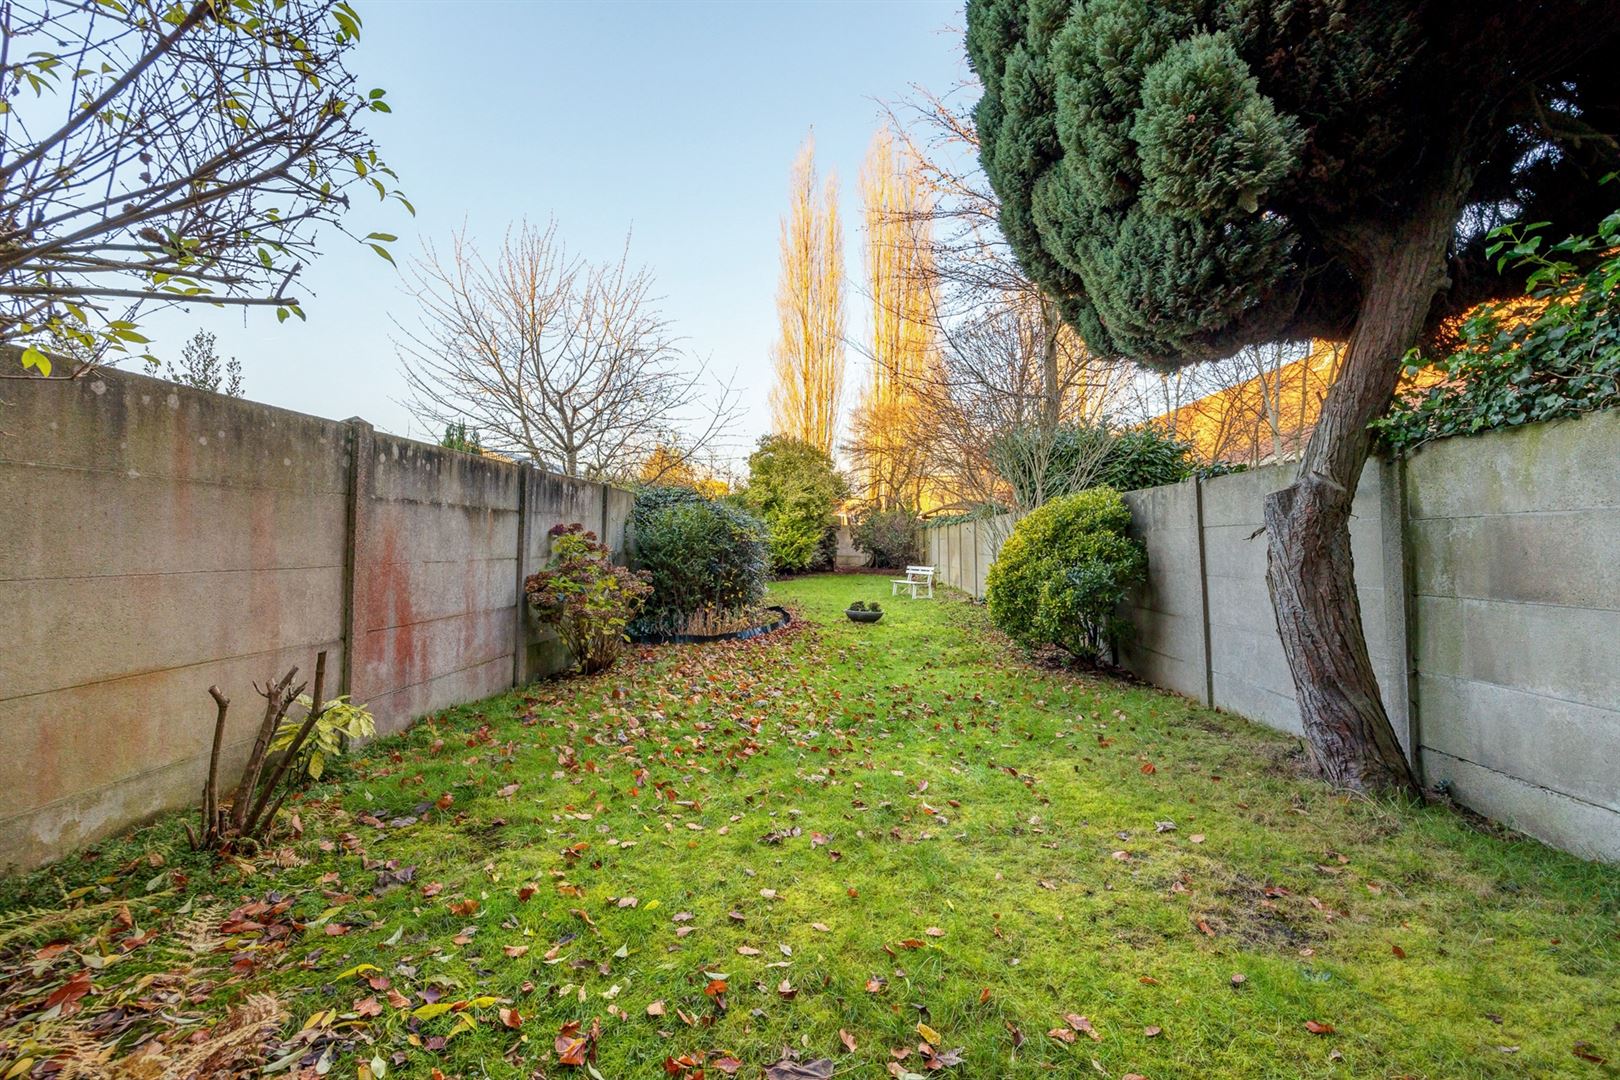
{"x": 679, "y": 120}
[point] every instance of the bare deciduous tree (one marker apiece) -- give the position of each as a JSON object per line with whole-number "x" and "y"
{"x": 550, "y": 356}
{"x": 1007, "y": 401}
{"x": 157, "y": 153}
{"x": 1014, "y": 409}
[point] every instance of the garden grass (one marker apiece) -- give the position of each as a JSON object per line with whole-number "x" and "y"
{"x": 908, "y": 821}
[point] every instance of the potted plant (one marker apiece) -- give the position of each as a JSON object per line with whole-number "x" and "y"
{"x": 859, "y": 612}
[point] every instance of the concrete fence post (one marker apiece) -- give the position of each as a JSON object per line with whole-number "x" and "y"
{"x": 520, "y": 624}
{"x": 973, "y": 542}
{"x": 1203, "y": 592}
{"x": 362, "y": 446}
{"x": 1400, "y": 608}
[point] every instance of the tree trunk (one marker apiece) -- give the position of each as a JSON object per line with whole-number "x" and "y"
{"x": 1309, "y": 568}
{"x": 1051, "y": 403}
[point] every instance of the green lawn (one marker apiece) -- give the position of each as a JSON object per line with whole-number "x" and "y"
{"x": 863, "y": 832}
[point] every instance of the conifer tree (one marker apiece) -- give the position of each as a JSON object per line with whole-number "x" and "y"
{"x": 1187, "y": 178}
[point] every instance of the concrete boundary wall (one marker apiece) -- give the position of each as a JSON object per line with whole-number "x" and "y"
{"x": 156, "y": 540}
{"x": 1488, "y": 570}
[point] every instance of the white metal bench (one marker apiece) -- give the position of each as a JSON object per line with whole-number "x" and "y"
{"x": 917, "y": 577}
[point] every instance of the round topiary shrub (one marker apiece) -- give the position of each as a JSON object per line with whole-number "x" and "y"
{"x": 1060, "y": 577}
{"x": 702, "y": 557}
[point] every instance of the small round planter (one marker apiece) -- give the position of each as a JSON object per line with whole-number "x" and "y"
{"x": 863, "y": 616}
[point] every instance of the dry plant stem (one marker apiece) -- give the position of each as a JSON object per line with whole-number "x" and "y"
{"x": 277, "y": 699}
{"x": 210, "y": 817}
{"x": 316, "y": 706}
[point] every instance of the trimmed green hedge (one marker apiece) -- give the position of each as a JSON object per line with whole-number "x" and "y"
{"x": 1060, "y": 577}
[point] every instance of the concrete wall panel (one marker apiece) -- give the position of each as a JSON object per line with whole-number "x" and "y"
{"x": 158, "y": 540}
{"x": 616, "y": 506}
{"x": 1547, "y": 814}
{"x": 1167, "y": 611}
{"x": 1542, "y": 467}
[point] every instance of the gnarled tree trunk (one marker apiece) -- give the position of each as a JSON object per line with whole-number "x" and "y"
{"x": 1309, "y": 568}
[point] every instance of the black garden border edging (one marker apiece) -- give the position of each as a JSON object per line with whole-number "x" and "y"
{"x": 699, "y": 639}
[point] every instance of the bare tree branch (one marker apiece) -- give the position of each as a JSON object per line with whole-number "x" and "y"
{"x": 163, "y": 154}
{"x": 566, "y": 362}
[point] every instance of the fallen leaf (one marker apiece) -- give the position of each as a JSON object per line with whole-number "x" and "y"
{"x": 570, "y": 1050}
{"x": 847, "y": 1039}
{"x": 1318, "y": 1028}
{"x": 1583, "y": 1050}
{"x": 68, "y": 994}
{"x": 656, "y": 1009}
{"x": 1152, "y": 1032}
{"x": 1082, "y": 1025}
{"x": 515, "y": 951}
{"x": 510, "y": 1017}
{"x": 928, "y": 1034}
{"x": 1062, "y": 1033}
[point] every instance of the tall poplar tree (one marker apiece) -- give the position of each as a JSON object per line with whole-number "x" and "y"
{"x": 1187, "y": 178}
{"x": 900, "y": 275}
{"x": 809, "y": 354}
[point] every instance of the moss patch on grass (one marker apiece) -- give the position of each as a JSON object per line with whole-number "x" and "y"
{"x": 901, "y": 833}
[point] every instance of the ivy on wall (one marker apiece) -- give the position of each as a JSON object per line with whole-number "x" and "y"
{"x": 1553, "y": 353}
